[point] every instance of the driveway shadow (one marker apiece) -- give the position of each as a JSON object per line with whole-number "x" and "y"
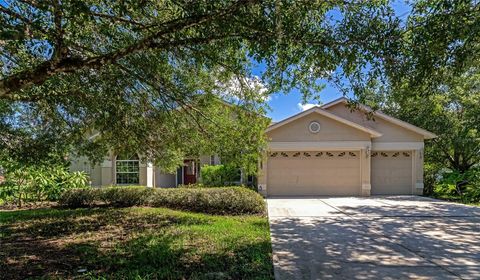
{"x": 387, "y": 241}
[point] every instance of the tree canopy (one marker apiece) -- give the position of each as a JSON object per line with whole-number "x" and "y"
{"x": 440, "y": 41}
{"x": 150, "y": 76}
{"x": 147, "y": 75}
{"x": 436, "y": 82}
{"x": 453, "y": 113}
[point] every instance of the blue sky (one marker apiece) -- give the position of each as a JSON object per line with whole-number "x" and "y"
{"x": 284, "y": 105}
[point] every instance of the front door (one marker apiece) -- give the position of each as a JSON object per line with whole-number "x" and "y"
{"x": 189, "y": 172}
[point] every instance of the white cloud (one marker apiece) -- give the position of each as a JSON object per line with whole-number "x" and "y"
{"x": 306, "y": 106}
{"x": 236, "y": 87}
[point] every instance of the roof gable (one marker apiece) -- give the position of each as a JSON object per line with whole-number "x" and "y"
{"x": 425, "y": 133}
{"x": 318, "y": 110}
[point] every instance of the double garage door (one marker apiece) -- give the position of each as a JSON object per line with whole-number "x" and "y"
{"x": 336, "y": 173}
{"x": 314, "y": 173}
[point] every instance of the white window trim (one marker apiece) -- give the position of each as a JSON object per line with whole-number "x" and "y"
{"x": 115, "y": 173}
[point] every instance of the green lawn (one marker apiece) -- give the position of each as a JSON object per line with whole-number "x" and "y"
{"x": 133, "y": 243}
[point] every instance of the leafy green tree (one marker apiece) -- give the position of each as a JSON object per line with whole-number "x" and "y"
{"x": 440, "y": 40}
{"x": 147, "y": 76}
{"x": 453, "y": 113}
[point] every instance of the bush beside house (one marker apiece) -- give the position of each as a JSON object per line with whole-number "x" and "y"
{"x": 454, "y": 185}
{"x": 219, "y": 175}
{"x": 33, "y": 184}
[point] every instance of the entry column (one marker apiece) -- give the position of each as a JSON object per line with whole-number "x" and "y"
{"x": 262, "y": 175}
{"x": 365, "y": 172}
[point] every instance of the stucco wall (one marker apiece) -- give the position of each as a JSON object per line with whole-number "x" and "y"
{"x": 94, "y": 171}
{"x": 163, "y": 179}
{"x": 418, "y": 163}
{"x": 143, "y": 174}
{"x": 104, "y": 174}
{"x": 331, "y": 130}
{"x": 390, "y": 132}
{"x": 107, "y": 171}
{"x": 206, "y": 160}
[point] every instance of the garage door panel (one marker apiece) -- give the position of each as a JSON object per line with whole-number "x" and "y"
{"x": 391, "y": 173}
{"x": 314, "y": 173}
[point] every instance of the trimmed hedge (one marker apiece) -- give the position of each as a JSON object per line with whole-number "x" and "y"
{"x": 222, "y": 201}
{"x": 125, "y": 196}
{"x": 77, "y": 198}
{"x": 227, "y": 200}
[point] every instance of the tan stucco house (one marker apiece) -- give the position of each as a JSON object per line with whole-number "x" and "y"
{"x": 326, "y": 150}
{"x": 119, "y": 170}
{"x": 332, "y": 150}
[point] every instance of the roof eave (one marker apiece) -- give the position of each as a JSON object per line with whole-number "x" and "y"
{"x": 425, "y": 133}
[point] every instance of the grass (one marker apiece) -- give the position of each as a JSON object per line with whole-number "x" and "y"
{"x": 132, "y": 243}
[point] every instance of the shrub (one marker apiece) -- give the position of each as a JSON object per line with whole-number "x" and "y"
{"x": 39, "y": 183}
{"x": 226, "y": 200}
{"x": 193, "y": 186}
{"x": 125, "y": 196}
{"x": 219, "y": 175}
{"x": 77, "y": 198}
{"x": 460, "y": 186}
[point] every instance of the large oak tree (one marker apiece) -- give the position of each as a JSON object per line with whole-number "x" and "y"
{"x": 150, "y": 76}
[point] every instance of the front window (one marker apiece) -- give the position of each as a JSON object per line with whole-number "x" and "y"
{"x": 127, "y": 170}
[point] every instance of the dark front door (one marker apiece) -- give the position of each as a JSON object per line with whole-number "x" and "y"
{"x": 189, "y": 172}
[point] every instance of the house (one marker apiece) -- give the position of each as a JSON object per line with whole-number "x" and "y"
{"x": 332, "y": 150}
{"x": 326, "y": 150}
{"x": 130, "y": 170}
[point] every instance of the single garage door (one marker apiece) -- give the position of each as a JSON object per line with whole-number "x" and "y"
{"x": 314, "y": 173}
{"x": 391, "y": 172}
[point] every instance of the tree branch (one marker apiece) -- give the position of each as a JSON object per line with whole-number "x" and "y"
{"x": 47, "y": 69}
{"x": 113, "y": 18}
{"x": 60, "y": 50}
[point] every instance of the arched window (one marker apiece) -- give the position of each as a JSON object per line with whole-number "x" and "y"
{"x": 127, "y": 170}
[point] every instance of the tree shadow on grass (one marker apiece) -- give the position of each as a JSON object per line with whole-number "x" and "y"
{"x": 160, "y": 257}
{"x": 61, "y": 223}
{"x": 113, "y": 244}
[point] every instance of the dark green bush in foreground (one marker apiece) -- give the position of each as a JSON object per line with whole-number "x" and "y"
{"x": 226, "y": 200}
{"x": 125, "y": 196}
{"x": 77, "y": 198}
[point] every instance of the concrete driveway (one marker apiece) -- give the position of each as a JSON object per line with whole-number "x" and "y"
{"x": 395, "y": 237}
